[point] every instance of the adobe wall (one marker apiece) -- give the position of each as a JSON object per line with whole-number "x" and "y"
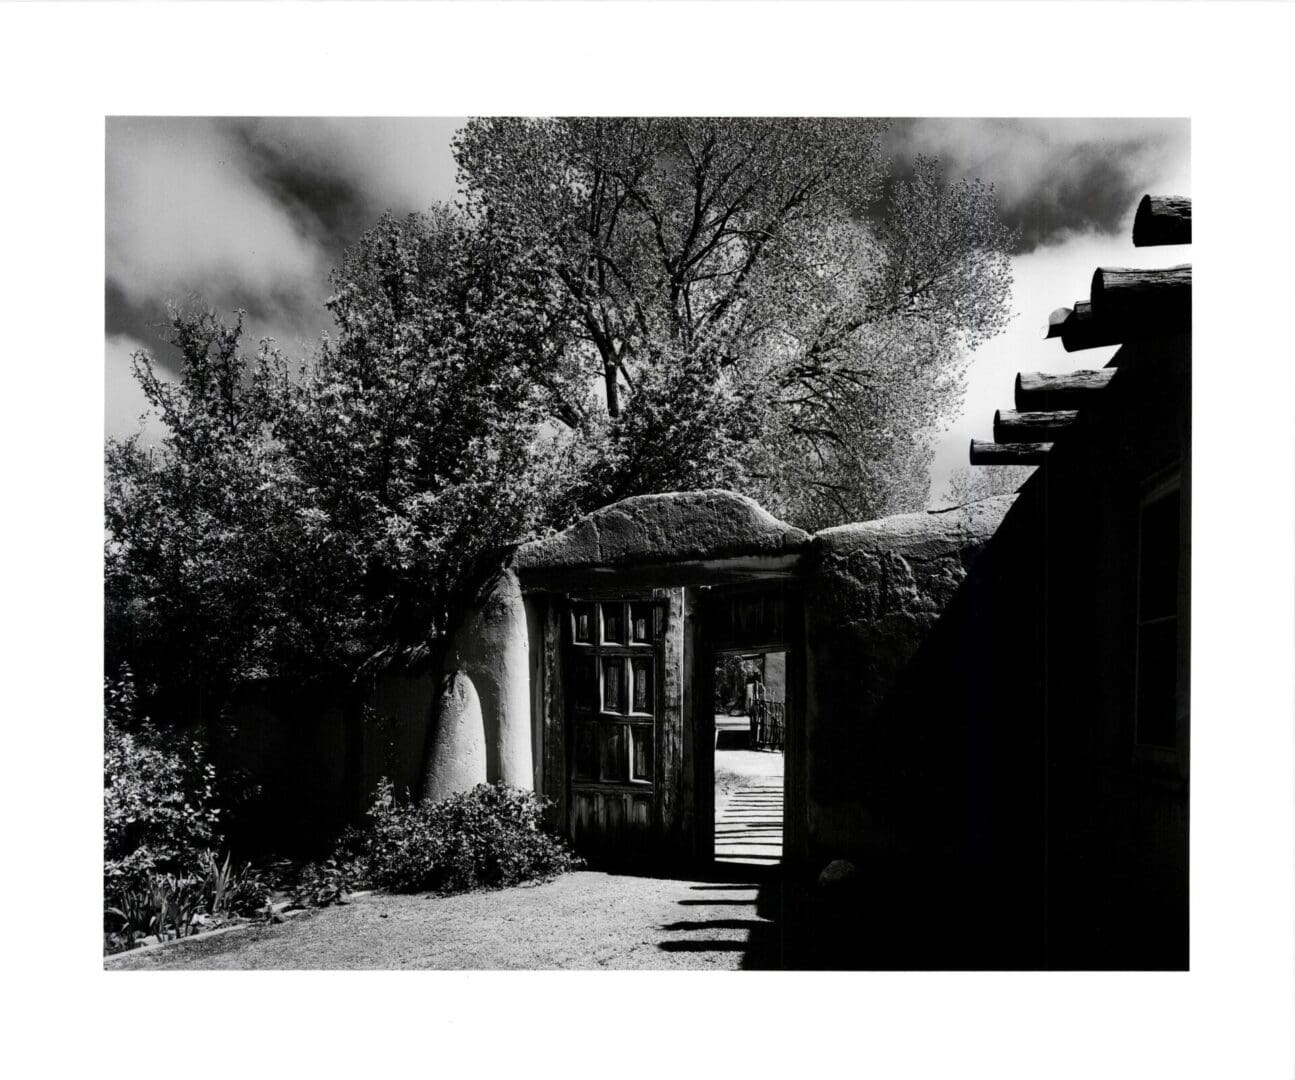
{"x": 491, "y": 650}
{"x": 972, "y": 698}
{"x": 874, "y": 595}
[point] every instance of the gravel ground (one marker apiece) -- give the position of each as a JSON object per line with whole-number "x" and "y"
{"x": 584, "y": 920}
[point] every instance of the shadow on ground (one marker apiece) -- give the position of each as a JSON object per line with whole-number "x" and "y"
{"x": 793, "y": 923}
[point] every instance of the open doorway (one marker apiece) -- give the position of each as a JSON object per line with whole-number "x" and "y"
{"x": 750, "y": 708}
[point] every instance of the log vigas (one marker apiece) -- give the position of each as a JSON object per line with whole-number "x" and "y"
{"x": 1162, "y": 219}
{"x": 1032, "y": 427}
{"x": 1135, "y": 296}
{"x": 992, "y": 453}
{"x": 1037, "y": 390}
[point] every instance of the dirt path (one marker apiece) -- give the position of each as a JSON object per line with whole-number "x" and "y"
{"x": 581, "y": 921}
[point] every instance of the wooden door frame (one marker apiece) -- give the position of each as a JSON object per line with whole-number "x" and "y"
{"x": 701, "y": 675}
{"x": 691, "y": 836}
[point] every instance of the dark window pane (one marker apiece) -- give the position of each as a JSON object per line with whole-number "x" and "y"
{"x": 641, "y": 623}
{"x": 584, "y": 683}
{"x": 613, "y": 684}
{"x": 642, "y": 669}
{"x": 615, "y": 752}
{"x": 583, "y": 623}
{"x": 587, "y": 751}
{"x": 1158, "y": 570}
{"x": 642, "y": 752}
{"x": 1157, "y": 682}
{"x": 613, "y": 623}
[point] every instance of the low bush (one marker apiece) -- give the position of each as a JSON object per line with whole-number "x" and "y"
{"x": 487, "y": 838}
{"x": 162, "y": 877}
{"x": 320, "y": 884}
{"x": 159, "y": 811}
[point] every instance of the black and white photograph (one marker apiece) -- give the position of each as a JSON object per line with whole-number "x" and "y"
{"x": 535, "y": 517}
{"x": 647, "y": 542}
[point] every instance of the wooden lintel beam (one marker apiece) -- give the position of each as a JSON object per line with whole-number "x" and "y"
{"x": 993, "y": 453}
{"x": 1036, "y": 390}
{"x": 1032, "y": 427}
{"x": 1162, "y": 219}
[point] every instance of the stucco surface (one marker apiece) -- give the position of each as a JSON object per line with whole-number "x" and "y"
{"x": 659, "y": 528}
{"x": 877, "y": 591}
{"x": 922, "y": 535}
{"x": 457, "y": 758}
{"x": 493, "y": 649}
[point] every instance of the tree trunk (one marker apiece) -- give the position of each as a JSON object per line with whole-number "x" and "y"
{"x": 1071, "y": 390}
{"x": 1163, "y": 219}
{"x": 613, "y": 390}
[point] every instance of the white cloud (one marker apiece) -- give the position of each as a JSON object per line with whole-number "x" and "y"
{"x": 1019, "y": 154}
{"x": 1058, "y": 174}
{"x": 395, "y": 163}
{"x": 183, "y": 217}
{"x": 125, "y": 409}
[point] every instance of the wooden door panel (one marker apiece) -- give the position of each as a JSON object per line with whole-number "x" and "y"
{"x": 613, "y": 659}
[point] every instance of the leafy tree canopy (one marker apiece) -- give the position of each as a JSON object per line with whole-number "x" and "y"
{"x": 970, "y": 483}
{"x": 765, "y": 309}
{"x": 621, "y": 306}
{"x": 304, "y": 520}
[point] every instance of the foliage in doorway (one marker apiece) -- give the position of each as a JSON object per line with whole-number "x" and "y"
{"x": 487, "y": 838}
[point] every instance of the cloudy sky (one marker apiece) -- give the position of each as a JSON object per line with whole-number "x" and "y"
{"x": 252, "y": 214}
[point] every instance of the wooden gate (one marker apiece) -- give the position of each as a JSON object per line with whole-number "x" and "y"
{"x": 768, "y": 721}
{"x": 614, "y": 680}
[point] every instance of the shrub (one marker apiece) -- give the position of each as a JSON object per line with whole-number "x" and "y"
{"x": 320, "y": 884}
{"x": 159, "y": 809}
{"x": 489, "y": 837}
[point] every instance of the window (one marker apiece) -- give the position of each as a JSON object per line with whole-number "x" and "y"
{"x": 612, "y": 666}
{"x": 1159, "y": 549}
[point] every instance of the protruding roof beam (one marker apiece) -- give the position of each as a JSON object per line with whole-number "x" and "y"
{"x": 1162, "y": 219}
{"x": 1141, "y": 296}
{"x": 1031, "y": 427}
{"x": 992, "y": 453}
{"x": 1037, "y": 390}
{"x": 1079, "y": 329}
{"x": 1126, "y": 305}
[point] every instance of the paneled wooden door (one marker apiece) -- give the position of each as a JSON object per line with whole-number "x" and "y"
{"x": 615, "y": 685}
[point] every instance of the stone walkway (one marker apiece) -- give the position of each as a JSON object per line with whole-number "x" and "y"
{"x": 748, "y": 808}
{"x": 748, "y": 826}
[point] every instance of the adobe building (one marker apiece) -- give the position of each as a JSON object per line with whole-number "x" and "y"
{"x": 986, "y": 707}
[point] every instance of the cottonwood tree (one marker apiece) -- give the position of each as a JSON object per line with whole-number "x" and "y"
{"x": 968, "y": 483}
{"x": 763, "y": 309}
